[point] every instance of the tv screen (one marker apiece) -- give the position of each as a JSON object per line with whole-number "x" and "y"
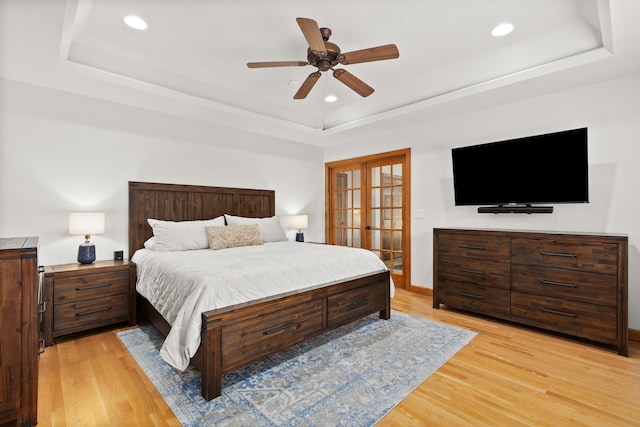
{"x": 550, "y": 168}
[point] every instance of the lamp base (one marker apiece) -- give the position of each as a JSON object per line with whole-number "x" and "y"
{"x": 299, "y": 237}
{"x": 86, "y": 253}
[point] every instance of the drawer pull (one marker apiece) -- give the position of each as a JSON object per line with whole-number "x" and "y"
{"x": 566, "y": 285}
{"x": 558, "y": 254}
{"x": 476, "y": 248}
{"x": 101, "y": 285}
{"x": 84, "y": 313}
{"x": 562, "y": 313}
{"x": 280, "y": 328}
{"x": 361, "y": 302}
{"x": 464, "y": 270}
{"x": 464, "y": 294}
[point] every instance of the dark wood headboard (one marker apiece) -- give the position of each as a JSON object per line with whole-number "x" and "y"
{"x": 176, "y": 202}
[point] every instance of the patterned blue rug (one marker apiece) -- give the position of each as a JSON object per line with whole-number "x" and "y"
{"x": 351, "y": 376}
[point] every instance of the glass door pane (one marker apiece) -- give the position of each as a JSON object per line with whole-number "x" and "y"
{"x": 347, "y": 207}
{"x": 386, "y": 214}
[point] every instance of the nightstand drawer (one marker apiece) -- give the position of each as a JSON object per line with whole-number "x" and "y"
{"x": 78, "y": 316}
{"x": 78, "y": 288}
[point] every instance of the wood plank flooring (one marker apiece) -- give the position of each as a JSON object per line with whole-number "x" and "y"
{"x": 507, "y": 376}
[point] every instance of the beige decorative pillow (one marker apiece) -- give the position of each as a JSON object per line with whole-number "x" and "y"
{"x": 233, "y": 236}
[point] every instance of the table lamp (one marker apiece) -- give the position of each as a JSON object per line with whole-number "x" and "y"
{"x": 300, "y": 222}
{"x": 86, "y": 223}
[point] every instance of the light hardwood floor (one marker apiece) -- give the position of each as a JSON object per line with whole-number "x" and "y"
{"x": 507, "y": 376}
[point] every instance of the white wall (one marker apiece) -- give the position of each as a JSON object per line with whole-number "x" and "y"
{"x": 611, "y": 111}
{"x": 61, "y": 153}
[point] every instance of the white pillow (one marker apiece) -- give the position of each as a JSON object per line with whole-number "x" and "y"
{"x": 270, "y": 228}
{"x": 151, "y": 243}
{"x": 180, "y": 236}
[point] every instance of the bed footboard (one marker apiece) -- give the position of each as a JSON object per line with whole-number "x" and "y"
{"x": 236, "y": 336}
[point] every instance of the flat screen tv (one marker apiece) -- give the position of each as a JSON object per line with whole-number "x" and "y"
{"x": 549, "y": 168}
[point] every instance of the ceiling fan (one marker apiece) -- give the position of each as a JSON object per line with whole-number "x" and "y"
{"x": 325, "y": 55}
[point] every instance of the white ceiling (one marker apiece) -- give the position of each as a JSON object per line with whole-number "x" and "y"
{"x": 191, "y": 61}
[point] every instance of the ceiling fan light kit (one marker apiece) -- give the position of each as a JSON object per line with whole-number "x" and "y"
{"x": 325, "y": 56}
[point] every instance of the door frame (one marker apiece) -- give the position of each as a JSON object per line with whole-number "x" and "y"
{"x": 329, "y": 220}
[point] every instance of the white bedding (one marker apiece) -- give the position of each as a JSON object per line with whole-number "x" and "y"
{"x": 182, "y": 285}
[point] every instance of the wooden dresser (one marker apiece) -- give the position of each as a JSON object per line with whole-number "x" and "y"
{"x": 80, "y": 297}
{"x": 19, "y": 320}
{"x": 575, "y": 284}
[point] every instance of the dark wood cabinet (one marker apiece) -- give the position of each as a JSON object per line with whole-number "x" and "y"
{"x": 575, "y": 284}
{"x": 80, "y": 297}
{"x": 19, "y": 320}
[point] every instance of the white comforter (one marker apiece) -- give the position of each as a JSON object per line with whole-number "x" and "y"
{"x": 182, "y": 285}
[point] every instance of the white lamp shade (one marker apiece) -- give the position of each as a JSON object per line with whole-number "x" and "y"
{"x": 86, "y": 223}
{"x": 299, "y": 221}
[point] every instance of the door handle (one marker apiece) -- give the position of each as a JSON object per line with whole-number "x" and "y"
{"x": 368, "y": 227}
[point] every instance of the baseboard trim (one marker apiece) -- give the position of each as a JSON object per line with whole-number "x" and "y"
{"x": 634, "y": 335}
{"x": 421, "y": 290}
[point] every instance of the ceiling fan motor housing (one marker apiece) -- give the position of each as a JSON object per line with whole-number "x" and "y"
{"x": 324, "y": 63}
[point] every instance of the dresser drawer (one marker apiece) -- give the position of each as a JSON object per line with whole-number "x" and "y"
{"x": 474, "y": 246}
{"x": 581, "y": 256}
{"x": 487, "y": 273}
{"x": 578, "y": 286}
{"x": 77, "y": 288}
{"x": 476, "y": 298}
{"x": 591, "y": 321}
{"x": 78, "y": 316}
{"x": 353, "y": 304}
{"x": 250, "y": 340}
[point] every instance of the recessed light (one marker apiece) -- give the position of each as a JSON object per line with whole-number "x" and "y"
{"x": 135, "y": 22}
{"x": 330, "y": 98}
{"x": 502, "y": 29}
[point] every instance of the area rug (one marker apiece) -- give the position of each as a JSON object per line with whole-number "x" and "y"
{"x": 351, "y": 376}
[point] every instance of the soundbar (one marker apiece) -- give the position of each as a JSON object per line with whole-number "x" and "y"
{"x": 528, "y": 209}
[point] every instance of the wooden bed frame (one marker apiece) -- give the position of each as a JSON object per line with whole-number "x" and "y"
{"x": 235, "y": 336}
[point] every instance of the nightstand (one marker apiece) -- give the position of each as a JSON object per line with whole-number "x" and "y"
{"x": 79, "y": 297}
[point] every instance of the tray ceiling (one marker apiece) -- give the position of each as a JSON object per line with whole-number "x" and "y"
{"x": 191, "y": 60}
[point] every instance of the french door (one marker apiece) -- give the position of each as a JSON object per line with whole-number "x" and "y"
{"x": 368, "y": 206}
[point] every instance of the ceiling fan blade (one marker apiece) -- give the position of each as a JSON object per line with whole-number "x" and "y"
{"x": 353, "y": 82}
{"x": 312, "y": 33}
{"x": 307, "y": 85}
{"x": 379, "y": 53}
{"x": 276, "y": 64}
